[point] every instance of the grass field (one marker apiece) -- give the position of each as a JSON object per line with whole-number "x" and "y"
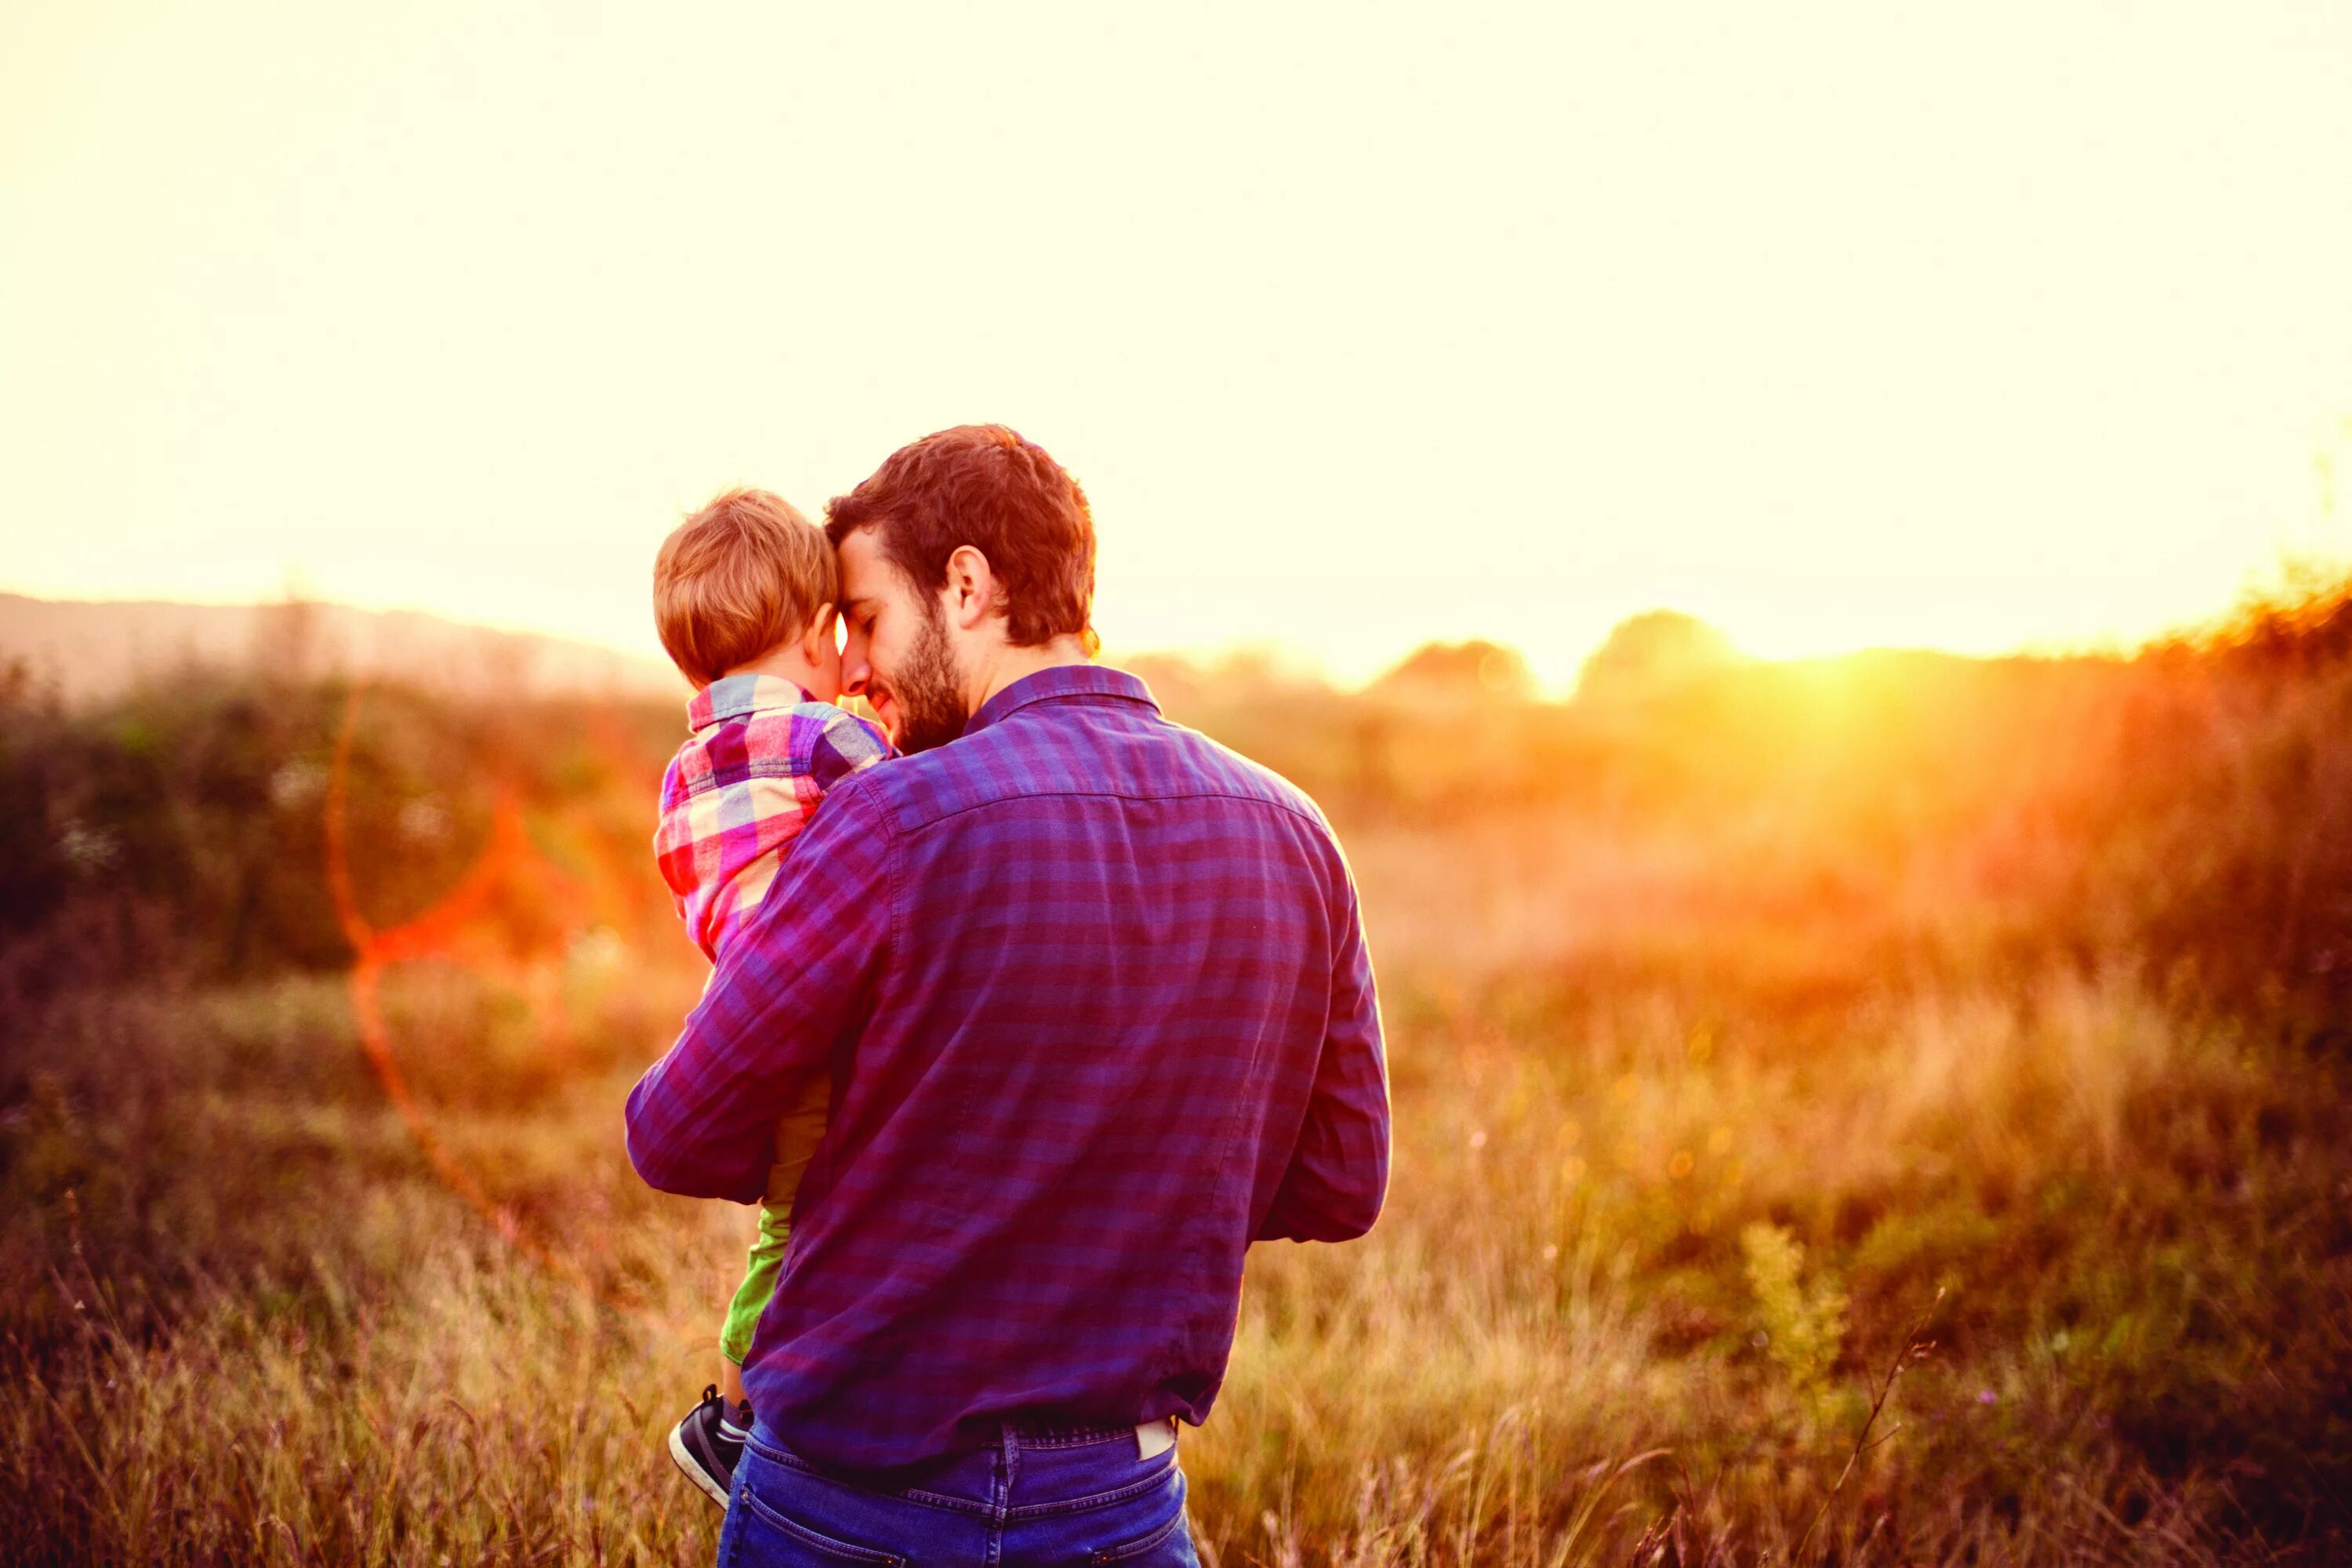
{"x": 1984, "y": 1022}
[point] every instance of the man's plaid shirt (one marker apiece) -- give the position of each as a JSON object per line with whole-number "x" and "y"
{"x": 1101, "y": 990}
{"x": 763, "y": 756}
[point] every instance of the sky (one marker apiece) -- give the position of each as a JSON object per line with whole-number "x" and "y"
{"x": 1979, "y": 327}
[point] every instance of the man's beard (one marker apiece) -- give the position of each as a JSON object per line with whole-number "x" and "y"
{"x": 929, "y": 696}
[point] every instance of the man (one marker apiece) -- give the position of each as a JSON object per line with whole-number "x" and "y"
{"x": 1096, "y": 996}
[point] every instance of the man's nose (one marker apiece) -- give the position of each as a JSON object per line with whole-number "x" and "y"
{"x": 854, "y": 672}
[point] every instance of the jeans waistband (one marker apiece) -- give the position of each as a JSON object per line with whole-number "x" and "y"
{"x": 1046, "y": 1464}
{"x": 1044, "y": 1435}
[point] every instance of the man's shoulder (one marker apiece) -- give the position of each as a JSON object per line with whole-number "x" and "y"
{"x": 1220, "y": 770}
{"x": 1045, "y": 754}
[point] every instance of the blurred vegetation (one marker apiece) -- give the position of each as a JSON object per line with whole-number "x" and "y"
{"x": 1733, "y": 1015}
{"x": 182, "y": 830}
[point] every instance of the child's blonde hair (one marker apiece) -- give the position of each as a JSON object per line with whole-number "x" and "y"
{"x": 743, "y": 576}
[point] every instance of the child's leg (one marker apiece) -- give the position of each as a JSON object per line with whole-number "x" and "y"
{"x": 797, "y": 1135}
{"x": 731, "y": 1368}
{"x": 761, "y": 1267}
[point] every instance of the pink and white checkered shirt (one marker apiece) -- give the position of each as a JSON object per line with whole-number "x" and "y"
{"x": 763, "y": 756}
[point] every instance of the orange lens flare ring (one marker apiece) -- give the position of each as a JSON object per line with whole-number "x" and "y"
{"x": 438, "y": 932}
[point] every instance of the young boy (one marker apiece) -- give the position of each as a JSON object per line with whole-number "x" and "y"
{"x": 744, "y": 593}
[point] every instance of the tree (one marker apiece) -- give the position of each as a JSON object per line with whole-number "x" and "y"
{"x": 1654, "y": 651}
{"x": 1463, "y": 671}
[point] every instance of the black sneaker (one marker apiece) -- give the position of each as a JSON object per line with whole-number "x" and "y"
{"x": 706, "y": 1453}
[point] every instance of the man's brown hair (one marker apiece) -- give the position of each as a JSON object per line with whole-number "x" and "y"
{"x": 984, "y": 486}
{"x": 743, "y": 576}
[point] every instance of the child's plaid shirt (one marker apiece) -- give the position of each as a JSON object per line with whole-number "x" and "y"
{"x": 763, "y": 756}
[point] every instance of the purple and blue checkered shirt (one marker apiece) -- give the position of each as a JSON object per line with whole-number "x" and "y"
{"x": 1101, "y": 992}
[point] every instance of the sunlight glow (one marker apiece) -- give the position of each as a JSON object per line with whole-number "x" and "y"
{"x": 2014, "y": 326}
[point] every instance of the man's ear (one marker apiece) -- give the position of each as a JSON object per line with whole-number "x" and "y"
{"x": 969, "y": 594}
{"x": 819, "y": 636}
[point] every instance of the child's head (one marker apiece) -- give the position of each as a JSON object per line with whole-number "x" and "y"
{"x": 744, "y": 579}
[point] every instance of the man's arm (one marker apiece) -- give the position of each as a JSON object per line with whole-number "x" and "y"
{"x": 702, "y": 1121}
{"x": 1338, "y": 1172}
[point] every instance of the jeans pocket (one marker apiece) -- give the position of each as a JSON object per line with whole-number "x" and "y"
{"x": 766, "y": 1535}
{"x": 1168, "y": 1544}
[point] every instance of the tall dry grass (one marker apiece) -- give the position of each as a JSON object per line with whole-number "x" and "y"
{"x": 1729, "y": 1038}
{"x": 249, "y": 1325}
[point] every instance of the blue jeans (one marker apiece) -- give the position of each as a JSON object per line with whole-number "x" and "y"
{"x": 1055, "y": 1500}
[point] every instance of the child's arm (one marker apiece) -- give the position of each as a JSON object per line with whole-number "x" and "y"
{"x": 848, "y": 745}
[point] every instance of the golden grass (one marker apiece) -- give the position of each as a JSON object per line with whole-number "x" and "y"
{"x": 1725, "y": 1033}
{"x": 332, "y": 1360}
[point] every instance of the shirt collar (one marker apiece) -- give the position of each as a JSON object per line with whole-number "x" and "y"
{"x": 738, "y": 696}
{"x": 1083, "y": 682}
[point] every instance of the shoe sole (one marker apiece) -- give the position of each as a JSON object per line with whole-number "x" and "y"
{"x": 694, "y": 1470}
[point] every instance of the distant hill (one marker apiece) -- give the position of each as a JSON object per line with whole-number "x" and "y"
{"x": 90, "y": 650}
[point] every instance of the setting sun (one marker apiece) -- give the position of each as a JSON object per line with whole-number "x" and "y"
{"x": 1222, "y": 786}
{"x": 2018, "y": 327}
